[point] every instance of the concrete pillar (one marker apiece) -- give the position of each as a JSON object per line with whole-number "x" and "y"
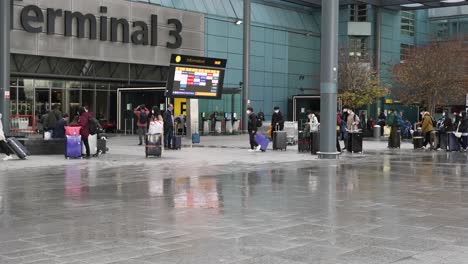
{"x": 5, "y": 6}
{"x": 193, "y": 117}
{"x": 378, "y": 47}
{"x": 246, "y": 63}
{"x": 328, "y": 79}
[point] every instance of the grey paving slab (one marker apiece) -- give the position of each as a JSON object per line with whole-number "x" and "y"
{"x": 225, "y": 205}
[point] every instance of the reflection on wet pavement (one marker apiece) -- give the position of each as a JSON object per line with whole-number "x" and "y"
{"x": 380, "y": 208}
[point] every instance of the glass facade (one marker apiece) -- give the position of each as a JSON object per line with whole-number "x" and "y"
{"x": 31, "y": 99}
{"x": 408, "y": 22}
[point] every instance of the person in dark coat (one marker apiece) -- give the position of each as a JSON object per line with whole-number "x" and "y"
{"x": 83, "y": 121}
{"x": 168, "y": 118}
{"x": 59, "y": 131}
{"x": 252, "y": 128}
{"x": 277, "y": 120}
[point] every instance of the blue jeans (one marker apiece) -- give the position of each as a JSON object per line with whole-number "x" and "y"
{"x": 168, "y": 135}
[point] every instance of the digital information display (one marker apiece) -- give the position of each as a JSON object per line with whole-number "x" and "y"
{"x": 196, "y": 82}
{"x": 196, "y": 77}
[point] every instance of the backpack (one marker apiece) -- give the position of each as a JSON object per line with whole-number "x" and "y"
{"x": 260, "y": 119}
{"x": 93, "y": 127}
{"x": 143, "y": 117}
{"x": 399, "y": 121}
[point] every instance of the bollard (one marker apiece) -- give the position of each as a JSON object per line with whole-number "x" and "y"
{"x": 377, "y": 131}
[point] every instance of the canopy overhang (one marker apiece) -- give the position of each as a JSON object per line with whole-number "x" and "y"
{"x": 390, "y": 4}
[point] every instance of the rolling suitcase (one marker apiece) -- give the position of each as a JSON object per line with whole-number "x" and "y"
{"x": 262, "y": 141}
{"x": 418, "y": 142}
{"x": 354, "y": 142}
{"x": 195, "y": 138}
{"x": 73, "y": 147}
{"x": 453, "y": 144}
{"x": 17, "y": 148}
{"x": 280, "y": 140}
{"x": 314, "y": 142}
{"x": 92, "y": 141}
{"x": 102, "y": 146}
{"x": 303, "y": 142}
{"x": 153, "y": 145}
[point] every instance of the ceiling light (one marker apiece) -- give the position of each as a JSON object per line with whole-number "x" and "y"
{"x": 452, "y": 1}
{"x": 239, "y": 22}
{"x": 412, "y": 5}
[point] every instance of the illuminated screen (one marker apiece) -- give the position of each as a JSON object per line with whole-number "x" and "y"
{"x": 196, "y": 82}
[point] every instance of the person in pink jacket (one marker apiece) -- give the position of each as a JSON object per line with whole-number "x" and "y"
{"x": 142, "y": 114}
{"x": 83, "y": 121}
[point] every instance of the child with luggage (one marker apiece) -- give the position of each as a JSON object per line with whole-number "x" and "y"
{"x": 3, "y": 143}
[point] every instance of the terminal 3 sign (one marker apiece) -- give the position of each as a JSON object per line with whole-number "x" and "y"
{"x": 33, "y": 20}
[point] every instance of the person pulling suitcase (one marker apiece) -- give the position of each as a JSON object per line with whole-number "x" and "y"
{"x": 3, "y": 144}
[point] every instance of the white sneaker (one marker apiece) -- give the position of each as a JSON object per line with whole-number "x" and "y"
{"x": 7, "y": 158}
{"x": 258, "y": 148}
{"x": 251, "y": 150}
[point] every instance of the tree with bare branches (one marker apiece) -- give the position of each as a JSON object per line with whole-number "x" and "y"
{"x": 432, "y": 75}
{"x": 358, "y": 84}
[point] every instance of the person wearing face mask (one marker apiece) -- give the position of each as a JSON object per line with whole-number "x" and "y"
{"x": 277, "y": 121}
{"x": 252, "y": 127}
{"x": 353, "y": 121}
{"x": 3, "y": 144}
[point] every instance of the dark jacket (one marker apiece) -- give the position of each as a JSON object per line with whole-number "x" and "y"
{"x": 277, "y": 120}
{"x": 463, "y": 125}
{"x": 53, "y": 117}
{"x": 252, "y": 126}
{"x": 168, "y": 123}
{"x": 59, "y": 131}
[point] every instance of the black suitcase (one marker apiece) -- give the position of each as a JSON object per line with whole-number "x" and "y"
{"x": 280, "y": 140}
{"x": 314, "y": 142}
{"x": 418, "y": 142}
{"x": 394, "y": 141}
{"x": 453, "y": 144}
{"x": 17, "y": 148}
{"x": 354, "y": 142}
{"x": 176, "y": 142}
{"x": 303, "y": 142}
{"x": 153, "y": 145}
{"x": 102, "y": 146}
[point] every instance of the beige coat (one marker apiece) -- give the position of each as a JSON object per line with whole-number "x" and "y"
{"x": 353, "y": 122}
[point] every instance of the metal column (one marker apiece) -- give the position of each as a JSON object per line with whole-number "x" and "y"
{"x": 246, "y": 63}
{"x": 378, "y": 47}
{"x": 5, "y": 63}
{"x": 328, "y": 79}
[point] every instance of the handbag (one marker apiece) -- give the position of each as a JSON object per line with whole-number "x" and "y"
{"x": 47, "y": 135}
{"x": 458, "y": 134}
{"x": 156, "y": 127}
{"x": 387, "y": 130}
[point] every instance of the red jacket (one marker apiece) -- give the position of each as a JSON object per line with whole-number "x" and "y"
{"x": 83, "y": 122}
{"x": 138, "y": 113}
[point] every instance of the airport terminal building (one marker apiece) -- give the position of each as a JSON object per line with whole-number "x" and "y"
{"x": 114, "y": 54}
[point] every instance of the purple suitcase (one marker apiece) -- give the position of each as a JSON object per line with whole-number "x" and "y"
{"x": 262, "y": 141}
{"x": 73, "y": 147}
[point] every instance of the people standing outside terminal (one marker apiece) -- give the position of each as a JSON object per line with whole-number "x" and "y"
{"x": 52, "y": 118}
{"x": 142, "y": 114}
{"x": 392, "y": 122}
{"x": 277, "y": 120}
{"x": 462, "y": 128}
{"x": 427, "y": 127}
{"x": 252, "y": 129}
{"x": 168, "y": 126}
{"x": 3, "y": 145}
{"x": 353, "y": 121}
{"x": 344, "y": 126}
{"x": 382, "y": 121}
{"x": 338, "y": 130}
{"x": 83, "y": 120}
{"x": 59, "y": 131}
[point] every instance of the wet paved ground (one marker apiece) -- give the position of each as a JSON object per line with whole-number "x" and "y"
{"x": 382, "y": 207}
